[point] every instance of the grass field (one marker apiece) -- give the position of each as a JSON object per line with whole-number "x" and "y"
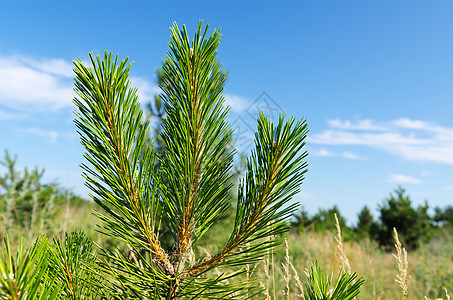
{"x": 430, "y": 267}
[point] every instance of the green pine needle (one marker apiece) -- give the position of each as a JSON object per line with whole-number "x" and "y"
{"x": 187, "y": 185}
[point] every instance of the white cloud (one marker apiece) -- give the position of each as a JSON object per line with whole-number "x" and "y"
{"x": 400, "y": 178}
{"x": 237, "y": 103}
{"x": 426, "y": 173}
{"x": 366, "y": 124}
{"x": 145, "y": 89}
{"x": 341, "y": 137}
{"x": 12, "y": 116}
{"x": 50, "y": 135}
{"x": 323, "y": 152}
{"x": 413, "y": 124}
{"x": 350, "y": 155}
{"x": 304, "y": 196}
{"x": 58, "y": 67}
{"x": 410, "y": 139}
{"x": 29, "y": 84}
{"x": 326, "y": 153}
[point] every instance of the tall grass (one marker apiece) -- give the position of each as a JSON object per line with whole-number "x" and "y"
{"x": 403, "y": 277}
{"x": 426, "y": 273}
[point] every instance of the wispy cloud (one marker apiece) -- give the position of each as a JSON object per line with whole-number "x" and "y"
{"x": 350, "y": 155}
{"x": 304, "y": 196}
{"x": 49, "y": 135}
{"x": 322, "y": 152}
{"x": 29, "y": 84}
{"x": 410, "y": 139}
{"x": 326, "y": 153}
{"x": 145, "y": 89}
{"x": 4, "y": 115}
{"x": 365, "y": 124}
{"x": 237, "y": 103}
{"x": 400, "y": 178}
{"x": 426, "y": 173}
{"x": 53, "y": 66}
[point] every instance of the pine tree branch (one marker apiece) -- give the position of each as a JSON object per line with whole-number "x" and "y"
{"x": 188, "y": 184}
{"x": 109, "y": 124}
{"x": 196, "y": 150}
{"x": 275, "y": 173}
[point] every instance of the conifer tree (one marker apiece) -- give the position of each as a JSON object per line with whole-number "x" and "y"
{"x": 189, "y": 190}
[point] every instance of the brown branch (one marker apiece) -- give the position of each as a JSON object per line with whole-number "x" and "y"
{"x": 187, "y": 223}
{"x": 147, "y": 234}
{"x": 256, "y": 213}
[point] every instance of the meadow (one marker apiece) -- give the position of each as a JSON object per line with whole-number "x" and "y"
{"x": 430, "y": 267}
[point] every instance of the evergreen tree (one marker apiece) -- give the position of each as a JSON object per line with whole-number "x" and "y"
{"x": 189, "y": 190}
{"x": 366, "y": 226}
{"x": 413, "y": 225}
{"x": 303, "y": 221}
{"x": 155, "y": 113}
{"x": 25, "y": 201}
{"x": 444, "y": 216}
{"x": 324, "y": 221}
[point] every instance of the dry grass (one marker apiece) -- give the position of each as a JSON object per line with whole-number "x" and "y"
{"x": 403, "y": 277}
{"x": 286, "y": 265}
{"x": 447, "y": 296}
{"x": 282, "y": 272}
{"x": 378, "y": 267}
{"x": 343, "y": 259}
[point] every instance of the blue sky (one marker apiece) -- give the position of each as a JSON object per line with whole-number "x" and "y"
{"x": 372, "y": 78}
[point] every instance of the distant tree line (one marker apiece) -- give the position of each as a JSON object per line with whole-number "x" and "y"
{"x": 414, "y": 224}
{"x": 27, "y": 202}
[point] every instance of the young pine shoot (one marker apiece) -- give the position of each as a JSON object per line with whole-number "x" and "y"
{"x": 187, "y": 186}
